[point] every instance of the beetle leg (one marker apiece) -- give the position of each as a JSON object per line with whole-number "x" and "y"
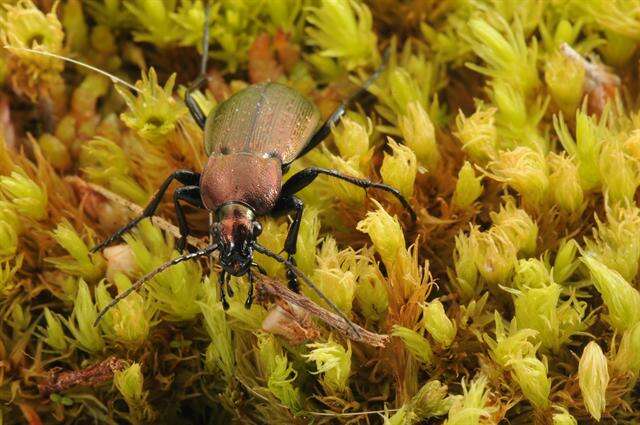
{"x": 229, "y": 288}
{"x": 196, "y": 112}
{"x": 190, "y": 194}
{"x": 222, "y": 278}
{"x": 303, "y": 178}
{"x": 249, "y": 301}
{"x": 194, "y": 108}
{"x": 334, "y": 118}
{"x": 183, "y": 176}
{"x": 288, "y": 202}
{"x": 259, "y": 267}
{"x": 324, "y": 131}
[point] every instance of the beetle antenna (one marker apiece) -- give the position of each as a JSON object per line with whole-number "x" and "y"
{"x": 112, "y": 77}
{"x": 305, "y": 278}
{"x": 144, "y": 279}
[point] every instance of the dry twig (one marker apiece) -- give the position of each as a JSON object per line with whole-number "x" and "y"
{"x": 92, "y": 376}
{"x": 271, "y": 287}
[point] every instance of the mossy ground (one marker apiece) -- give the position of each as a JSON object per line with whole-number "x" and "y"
{"x": 512, "y": 126}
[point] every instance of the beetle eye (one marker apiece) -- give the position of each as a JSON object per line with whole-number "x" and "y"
{"x": 257, "y": 229}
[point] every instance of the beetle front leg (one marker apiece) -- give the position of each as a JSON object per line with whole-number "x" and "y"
{"x": 288, "y": 202}
{"x": 249, "y": 301}
{"x": 183, "y": 176}
{"x": 222, "y": 280}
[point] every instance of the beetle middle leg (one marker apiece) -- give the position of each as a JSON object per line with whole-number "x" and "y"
{"x": 196, "y": 112}
{"x": 191, "y": 195}
{"x": 303, "y": 178}
{"x": 288, "y": 202}
{"x": 185, "y": 177}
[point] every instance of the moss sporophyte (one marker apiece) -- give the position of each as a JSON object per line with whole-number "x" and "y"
{"x": 487, "y": 274}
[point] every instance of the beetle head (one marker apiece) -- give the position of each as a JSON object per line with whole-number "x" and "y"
{"x": 235, "y": 231}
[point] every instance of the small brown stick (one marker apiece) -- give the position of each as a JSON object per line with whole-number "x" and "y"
{"x": 135, "y": 209}
{"x": 92, "y": 376}
{"x": 267, "y": 285}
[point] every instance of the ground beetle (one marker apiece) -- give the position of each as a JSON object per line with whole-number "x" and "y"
{"x": 251, "y": 139}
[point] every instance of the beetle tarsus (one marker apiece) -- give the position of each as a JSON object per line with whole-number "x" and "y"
{"x": 292, "y": 278}
{"x": 230, "y": 291}
{"x": 195, "y": 110}
{"x": 249, "y": 301}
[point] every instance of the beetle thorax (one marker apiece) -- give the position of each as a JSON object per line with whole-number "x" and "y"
{"x": 242, "y": 178}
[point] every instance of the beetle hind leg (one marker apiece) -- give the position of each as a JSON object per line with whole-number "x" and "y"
{"x": 333, "y": 120}
{"x": 196, "y": 112}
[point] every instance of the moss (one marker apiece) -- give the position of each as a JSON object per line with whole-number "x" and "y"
{"x": 511, "y": 126}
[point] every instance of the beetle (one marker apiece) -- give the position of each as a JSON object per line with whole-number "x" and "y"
{"x": 250, "y": 139}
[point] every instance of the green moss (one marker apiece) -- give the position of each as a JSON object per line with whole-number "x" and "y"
{"x": 515, "y": 297}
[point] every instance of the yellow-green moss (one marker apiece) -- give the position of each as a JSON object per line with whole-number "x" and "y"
{"x": 511, "y": 126}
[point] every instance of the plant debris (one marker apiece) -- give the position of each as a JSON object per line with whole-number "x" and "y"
{"x": 512, "y": 128}
{"x": 92, "y": 376}
{"x": 301, "y": 321}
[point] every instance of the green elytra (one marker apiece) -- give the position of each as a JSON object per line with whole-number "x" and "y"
{"x": 268, "y": 118}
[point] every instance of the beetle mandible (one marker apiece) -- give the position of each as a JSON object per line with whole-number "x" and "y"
{"x": 251, "y": 139}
